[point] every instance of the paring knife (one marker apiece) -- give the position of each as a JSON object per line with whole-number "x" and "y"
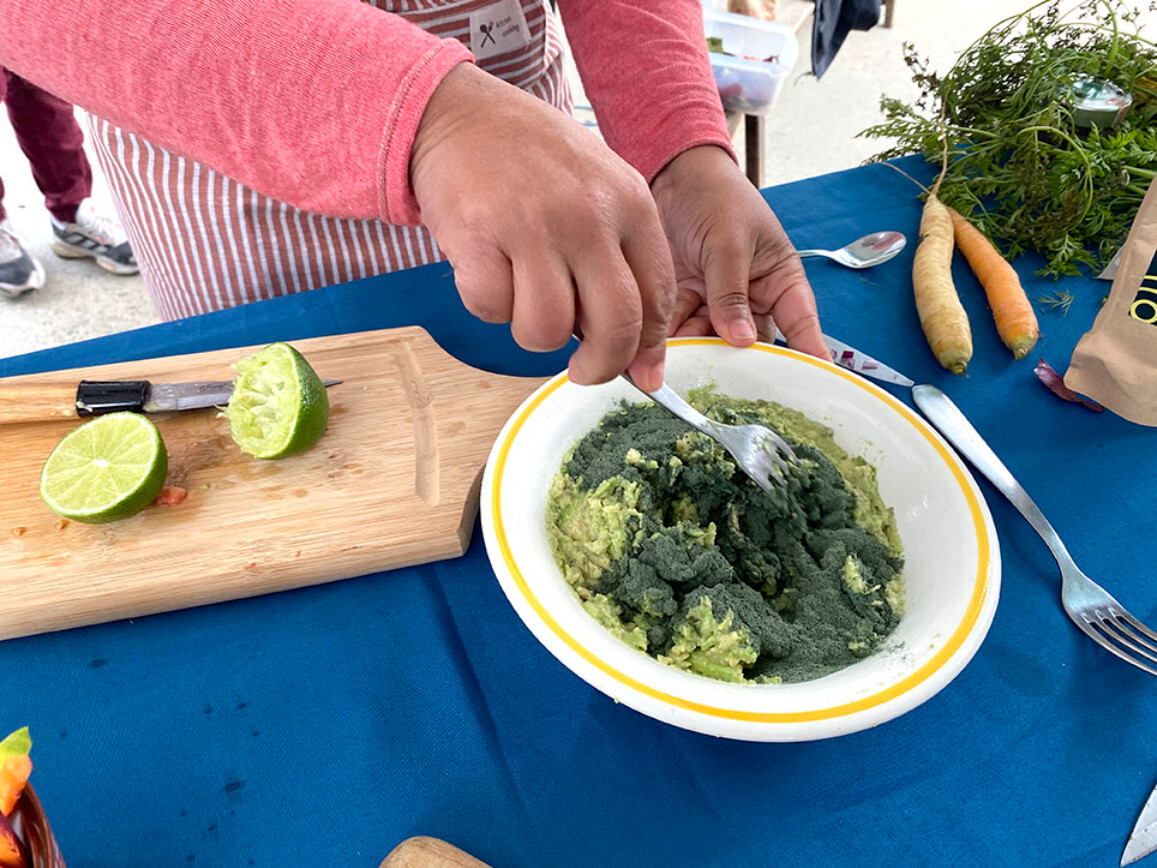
{"x": 1143, "y": 841}
{"x": 854, "y": 360}
{"x": 861, "y": 363}
{"x": 33, "y": 402}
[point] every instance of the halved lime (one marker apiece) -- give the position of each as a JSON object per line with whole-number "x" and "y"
{"x": 107, "y": 469}
{"x": 278, "y": 407}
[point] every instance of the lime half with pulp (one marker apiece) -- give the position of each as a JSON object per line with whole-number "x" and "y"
{"x": 107, "y": 469}
{"x": 278, "y": 406}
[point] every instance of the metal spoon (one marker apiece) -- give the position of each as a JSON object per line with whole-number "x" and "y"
{"x": 864, "y": 252}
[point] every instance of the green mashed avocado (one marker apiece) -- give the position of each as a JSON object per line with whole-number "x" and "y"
{"x": 676, "y": 552}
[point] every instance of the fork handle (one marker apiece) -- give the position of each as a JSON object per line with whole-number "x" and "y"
{"x": 943, "y": 413}
{"x": 672, "y": 401}
{"x": 669, "y": 399}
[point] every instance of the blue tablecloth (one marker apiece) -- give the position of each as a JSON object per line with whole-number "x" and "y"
{"x": 325, "y": 725}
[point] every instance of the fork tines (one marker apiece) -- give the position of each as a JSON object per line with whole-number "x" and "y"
{"x": 1119, "y": 632}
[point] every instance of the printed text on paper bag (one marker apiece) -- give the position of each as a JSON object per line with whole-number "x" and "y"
{"x": 1144, "y": 307}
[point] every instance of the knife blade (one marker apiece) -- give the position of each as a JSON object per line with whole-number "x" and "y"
{"x": 861, "y": 363}
{"x": 854, "y": 360}
{"x": 30, "y": 402}
{"x": 1143, "y": 841}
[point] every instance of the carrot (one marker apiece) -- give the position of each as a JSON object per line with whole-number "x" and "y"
{"x": 942, "y": 316}
{"x": 14, "y": 773}
{"x": 1015, "y": 320}
{"x": 15, "y": 767}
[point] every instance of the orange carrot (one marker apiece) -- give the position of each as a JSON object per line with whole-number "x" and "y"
{"x": 942, "y": 316}
{"x": 14, "y": 772}
{"x": 1011, "y": 310}
{"x": 15, "y": 767}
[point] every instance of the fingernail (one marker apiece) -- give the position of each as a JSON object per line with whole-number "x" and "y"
{"x": 742, "y": 330}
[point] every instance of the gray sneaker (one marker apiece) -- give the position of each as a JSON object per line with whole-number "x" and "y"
{"x": 19, "y": 270}
{"x": 94, "y": 235}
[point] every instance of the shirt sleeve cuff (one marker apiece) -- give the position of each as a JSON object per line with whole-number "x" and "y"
{"x": 659, "y": 159}
{"x": 397, "y": 203}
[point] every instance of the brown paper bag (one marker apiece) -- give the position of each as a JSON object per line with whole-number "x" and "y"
{"x": 1115, "y": 362}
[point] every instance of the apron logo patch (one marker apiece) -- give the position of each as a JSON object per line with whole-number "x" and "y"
{"x": 498, "y": 29}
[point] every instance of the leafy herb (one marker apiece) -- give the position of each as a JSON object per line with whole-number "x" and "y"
{"x": 1060, "y": 300}
{"x": 1020, "y": 168}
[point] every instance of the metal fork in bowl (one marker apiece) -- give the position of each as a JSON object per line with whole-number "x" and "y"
{"x": 760, "y": 452}
{"x": 1091, "y": 607}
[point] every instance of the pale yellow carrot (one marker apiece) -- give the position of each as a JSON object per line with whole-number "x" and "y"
{"x": 942, "y": 316}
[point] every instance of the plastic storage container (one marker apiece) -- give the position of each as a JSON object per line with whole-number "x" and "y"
{"x": 759, "y": 56}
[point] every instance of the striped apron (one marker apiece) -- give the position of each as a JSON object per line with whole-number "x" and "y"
{"x": 205, "y": 242}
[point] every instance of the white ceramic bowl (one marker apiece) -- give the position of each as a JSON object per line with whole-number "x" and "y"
{"x": 952, "y": 560}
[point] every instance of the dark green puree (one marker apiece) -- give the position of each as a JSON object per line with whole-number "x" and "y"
{"x": 675, "y": 551}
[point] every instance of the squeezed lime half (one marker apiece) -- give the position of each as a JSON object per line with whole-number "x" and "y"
{"x": 107, "y": 469}
{"x": 278, "y": 407}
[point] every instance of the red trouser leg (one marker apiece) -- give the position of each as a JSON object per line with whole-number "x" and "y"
{"x": 50, "y": 137}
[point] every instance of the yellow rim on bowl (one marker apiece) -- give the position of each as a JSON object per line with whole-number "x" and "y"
{"x": 971, "y": 614}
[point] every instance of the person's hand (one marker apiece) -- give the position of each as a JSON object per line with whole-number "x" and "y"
{"x": 546, "y": 227}
{"x": 738, "y": 274}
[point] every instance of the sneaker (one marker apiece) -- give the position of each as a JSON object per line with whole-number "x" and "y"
{"x": 19, "y": 270}
{"x": 94, "y": 235}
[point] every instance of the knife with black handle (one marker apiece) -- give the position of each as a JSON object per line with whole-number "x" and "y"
{"x": 35, "y": 402}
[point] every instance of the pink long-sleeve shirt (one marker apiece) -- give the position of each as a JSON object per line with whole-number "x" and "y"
{"x": 316, "y": 103}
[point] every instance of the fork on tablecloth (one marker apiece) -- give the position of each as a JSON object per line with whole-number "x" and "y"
{"x": 1091, "y": 607}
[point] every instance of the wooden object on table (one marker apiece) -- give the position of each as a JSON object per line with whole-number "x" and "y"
{"x": 393, "y": 482}
{"x": 425, "y": 852}
{"x": 37, "y": 401}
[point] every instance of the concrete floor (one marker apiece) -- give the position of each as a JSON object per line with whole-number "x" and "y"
{"x": 811, "y": 131}
{"x": 79, "y": 300}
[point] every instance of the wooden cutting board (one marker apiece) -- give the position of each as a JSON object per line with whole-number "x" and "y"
{"x": 393, "y": 482}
